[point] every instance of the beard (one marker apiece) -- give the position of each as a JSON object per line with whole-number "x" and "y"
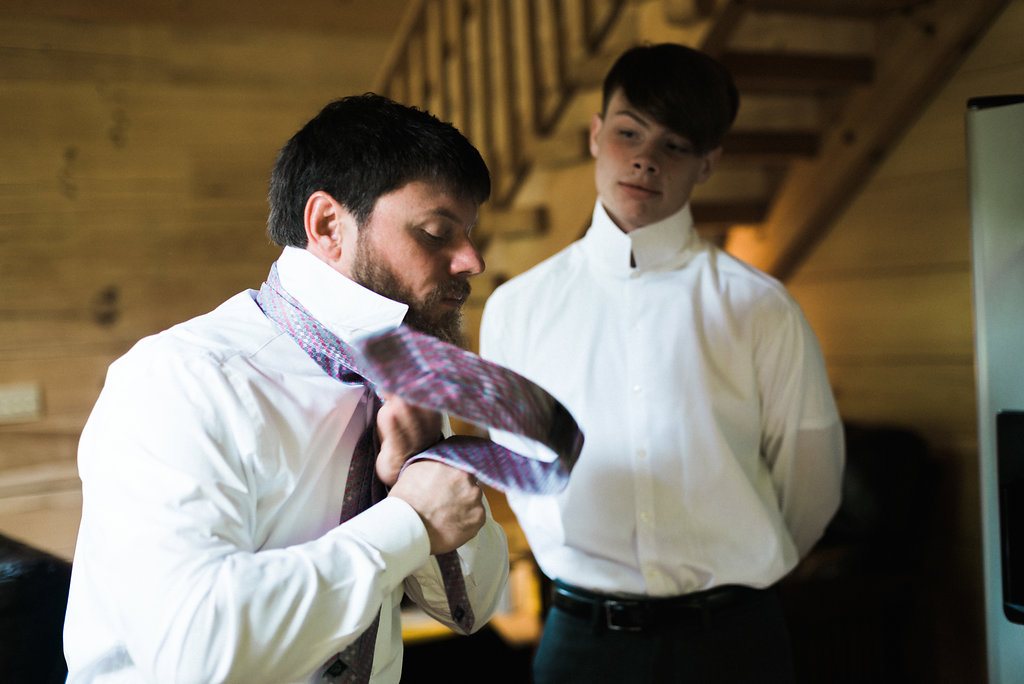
{"x": 371, "y": 272}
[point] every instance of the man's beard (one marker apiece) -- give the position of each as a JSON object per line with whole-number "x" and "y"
{"x": 371, "y": 272}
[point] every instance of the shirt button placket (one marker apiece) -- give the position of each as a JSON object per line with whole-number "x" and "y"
{"x": 643, "y": 480}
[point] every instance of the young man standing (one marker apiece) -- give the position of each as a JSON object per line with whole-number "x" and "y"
{"x": 223, "y": 453}
{"x": 713, "y": 453}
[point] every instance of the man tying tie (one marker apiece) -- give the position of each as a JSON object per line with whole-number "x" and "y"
{"x": 223, "y": 452}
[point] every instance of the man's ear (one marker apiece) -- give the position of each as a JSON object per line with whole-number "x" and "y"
{"x": 709, "y": 164}
{"x": 595, "y": 127}
{"x": 330, "y": 228}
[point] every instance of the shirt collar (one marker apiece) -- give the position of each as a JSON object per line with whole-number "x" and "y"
{"x": 343, "y": 306}
{"x": 665, "y": 245}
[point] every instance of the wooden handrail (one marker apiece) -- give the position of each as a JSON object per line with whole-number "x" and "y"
{"x": 499, "y": 70}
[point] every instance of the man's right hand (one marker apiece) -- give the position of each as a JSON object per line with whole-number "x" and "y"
{"x": 448, "y": 500}
{"x": 405, "y": 430}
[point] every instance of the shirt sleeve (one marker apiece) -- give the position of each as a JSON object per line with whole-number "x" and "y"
{"x": 802, "y": 435}
{"x": 485, "y": 568}
{"x": 168, "y": 544}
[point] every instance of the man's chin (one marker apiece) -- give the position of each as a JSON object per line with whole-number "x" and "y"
{"x": 452, "y": 332}
{"x": 447, "y": 327}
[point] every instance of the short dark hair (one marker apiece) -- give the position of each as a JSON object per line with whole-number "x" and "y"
{"x": 361, "y": 147}
{"x": 686, "y": 90}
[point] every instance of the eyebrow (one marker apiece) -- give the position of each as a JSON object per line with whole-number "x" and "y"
{"x": 445, "y": 213}
{"x": 643, "y": 122}
{"x": 636, "y": 117}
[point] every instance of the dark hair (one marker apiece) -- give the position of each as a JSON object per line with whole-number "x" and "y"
{"x": 361, "y": 147}
{"x": 681, "y": 88}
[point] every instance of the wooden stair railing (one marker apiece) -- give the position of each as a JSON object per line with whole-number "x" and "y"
{"x": 499, "y": 70}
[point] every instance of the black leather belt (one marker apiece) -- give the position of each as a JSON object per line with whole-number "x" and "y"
{"x": 691, "y": 611}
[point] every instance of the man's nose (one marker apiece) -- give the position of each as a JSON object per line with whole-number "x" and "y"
{"x": 646, "y": 160}
{"x": 467, "y": 260}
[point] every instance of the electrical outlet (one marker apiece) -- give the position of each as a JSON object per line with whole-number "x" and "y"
{"x": 21, "y": 402}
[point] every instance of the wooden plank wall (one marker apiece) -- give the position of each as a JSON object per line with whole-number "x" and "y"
{"x": 133, "y": 165}
{"x": 889, "y": 294}
{"x": 134, "y": 158}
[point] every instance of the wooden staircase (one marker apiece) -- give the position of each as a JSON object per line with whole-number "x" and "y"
{"x": 827, "y": 87}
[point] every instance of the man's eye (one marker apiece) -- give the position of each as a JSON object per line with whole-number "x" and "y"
{"x": 626, "y": 133}
{"x": 431, "y": 238}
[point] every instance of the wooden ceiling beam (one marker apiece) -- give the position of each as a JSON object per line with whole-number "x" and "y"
{"x": 766, "y": 145}
{"x": 910, "y": 67}
{"x": 832, "y": 8}
{"x": 729, "y": 212}
{"x": 779, "y": 71}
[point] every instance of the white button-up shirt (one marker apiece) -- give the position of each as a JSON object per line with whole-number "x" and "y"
{"x": 213, "y": 468}
{"x": 713, "y": 449}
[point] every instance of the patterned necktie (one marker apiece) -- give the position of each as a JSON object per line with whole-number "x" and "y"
{"x": 433, "y": 374}
{"x": 362, "y": 489}
{"x": 427, "y": 372}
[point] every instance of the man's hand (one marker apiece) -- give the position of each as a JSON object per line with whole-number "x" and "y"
{"x": 448, "y": 500}
{"x": 405, "y": 430}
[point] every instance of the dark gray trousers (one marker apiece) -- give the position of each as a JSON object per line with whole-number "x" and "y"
{"x": 746, "y": 645}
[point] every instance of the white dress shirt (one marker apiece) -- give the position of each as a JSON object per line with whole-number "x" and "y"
{"x": 213, "y": 467}
{"x": 713, "y": 450}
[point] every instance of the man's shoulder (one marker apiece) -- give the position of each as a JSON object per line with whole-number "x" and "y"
{"x": 236, "y": 327}
{"x": 741, "y": 276}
